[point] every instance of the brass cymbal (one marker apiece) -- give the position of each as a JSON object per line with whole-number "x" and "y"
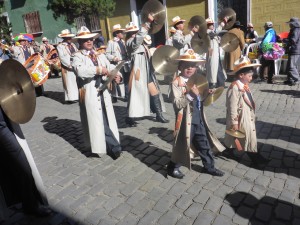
{"x": 200, "y": 44}
{"x": 229, "y": 42}
{"x": 17, "y": 94}
{"x": 200, "y": 81}
{"x": 164, "y": 60}
{"x": 200, "y": 23}
{"x": 211, "y": 98}
{"x": 230, "y": 13}
{"x": 235, "y": 133}
{"x": 158, "y": 11}
{"x": 111, "y": 76}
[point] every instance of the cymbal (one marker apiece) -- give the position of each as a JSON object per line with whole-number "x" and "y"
{"x": 229, "y": 42}
{"x": 211, "y": 98}
{"x": 111, "y": 76}
{"x": 17, "y": 94}
{"x": 164, "y": 60}
{"x": 200, "y": 23}
{"x": 200, "y": 81}
{"x": 200, "y": 44}
{"x": 230, "y": 13}
{"x": 158, "y": 11}
{"x": 235, "y": 133}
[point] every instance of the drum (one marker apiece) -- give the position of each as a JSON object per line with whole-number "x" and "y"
{"x": 53, "y": 61}
{"x": 37, "y": 69}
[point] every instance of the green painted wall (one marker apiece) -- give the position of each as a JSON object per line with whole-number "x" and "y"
{"x": 51, "y": 27}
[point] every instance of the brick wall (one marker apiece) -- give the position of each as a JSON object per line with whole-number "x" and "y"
{"x": 277, "y": 11}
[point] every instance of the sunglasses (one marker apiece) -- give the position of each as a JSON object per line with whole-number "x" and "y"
{"x": 88, "y": 39}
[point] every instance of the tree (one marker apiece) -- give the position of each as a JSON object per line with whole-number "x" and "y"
{"x": 72, "y": 9}
{"x": 5, "y": 27}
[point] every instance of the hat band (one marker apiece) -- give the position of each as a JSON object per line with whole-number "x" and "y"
{"x": 187, "y": 57}
{"x": 242, "y": 65}
{"x": 131, "y": 28}
{"x": 64, "y": 34}
{"x": 83, "y": 33}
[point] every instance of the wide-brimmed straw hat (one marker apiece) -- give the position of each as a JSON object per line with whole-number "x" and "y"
{"x": 190, "y": 56}
{"x": 84, "y": 33}
{"x": 117, "y": 27}
{"x": 148, "y": 40}
{"x": 209, "y": 21}
{"x": 176, "y": 20}
{"x": 241, "y": 63}
{"x": 66, "y": 33}
{"x": 45, "y": 39}
{"x": 131, "y": 27}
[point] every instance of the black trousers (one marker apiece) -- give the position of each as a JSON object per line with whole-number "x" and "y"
{"x": 19, "y": 175}
{"x": 201, "y": 143}
{"x": 271, "y": 68}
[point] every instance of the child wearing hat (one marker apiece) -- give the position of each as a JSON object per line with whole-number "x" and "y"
{"x": 241, "y": 111}
{"x": 190, "y": 134}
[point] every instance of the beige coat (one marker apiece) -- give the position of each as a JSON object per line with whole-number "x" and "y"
{"x": 231, "y": 57}
{"x": 240, "y": 111}
{"x": 183, "y": 151}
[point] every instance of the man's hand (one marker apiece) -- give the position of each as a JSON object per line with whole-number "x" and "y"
{"x": 104, "y": 71}
{"x": 117, "y": 79}
{"x": 150, "y": 18}
{"x": 194, "y": 92}
{"x": 195, "y": 29}
{"x": 235, "y": 127}
{"x": 211, "y": 91}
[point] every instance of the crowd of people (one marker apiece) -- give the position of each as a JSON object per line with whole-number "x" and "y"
{"x": 86, "y": 68}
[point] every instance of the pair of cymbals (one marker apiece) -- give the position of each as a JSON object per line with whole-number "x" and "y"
{"x": 235, "y": 133}
{"x": 158, "y": 11}
{"x": 17, "y": 93}
{"x": 229, "y": 42}
{"x": 230, "y": 14}
{"x": 200, "y": 44}
{"x": 164, "y": 60}
{"x": 211, "y": 98}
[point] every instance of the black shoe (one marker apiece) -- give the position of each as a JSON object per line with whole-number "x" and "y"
{"x": 160, "y": 118}
{"x": 114, "y": 99}
{"x": 293, "y": 83}
{"x": 115, "y": 155}
{"x": 287, "y": 82}
{"x": 40, "y": 211}
{"x": 176, "y": 173}
{"x": 130, "y": 122}
{"x": 214, "y": 172}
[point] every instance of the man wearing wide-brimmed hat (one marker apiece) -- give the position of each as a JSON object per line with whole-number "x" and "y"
{"x": 23, "y": 51}
{"x": 96, "y": 109}
{"x": 143, "y": 86}
{"x": 45, "y": 47}
{"x": 231, "y": 57}
{"x": 65, "y": 50}
{"x": 180, "y": 41}
{"x": 115, "y": 52}
{"x": 191, "y": 134}
{"x": 241, "y": 111}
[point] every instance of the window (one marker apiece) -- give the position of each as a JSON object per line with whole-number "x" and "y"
{"x": 32, "y": 22}
{"x": 79, "y": 21}
{"x": 94, "y": 23}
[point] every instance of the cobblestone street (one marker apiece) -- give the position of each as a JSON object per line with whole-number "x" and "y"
{"x": 134, "y": 189}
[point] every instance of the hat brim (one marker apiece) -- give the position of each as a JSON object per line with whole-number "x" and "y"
{"x": 132, "y": 30}
{"x": 118, "y": 30}
{"x": 179, "y": 21}
{"x": 234, "y": 72}
{"x": 191, "y": 60}
{"x": 66, "y": 35}
{"x": 148, "y": 42}
{"x": 86, "y": 36}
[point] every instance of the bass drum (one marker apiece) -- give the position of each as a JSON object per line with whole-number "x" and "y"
{"x": 53, "y": 61}
{"x": 37, "y": 69}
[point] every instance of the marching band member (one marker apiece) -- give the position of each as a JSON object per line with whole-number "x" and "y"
{"x": 215, "y": 75}
{"x": 169, "y": 41}
{"x": 180, "y": 41}
{"x": 65, "y": 50}
{"x": 241, "y": 111}
{"x": 45, "y": 47}
{"x": 191, "y": 135}
{"x": 115, "y": 52}
{"x": 96, "y": 109}
{"x": 20, "y": 180}
{"x": 142, "y": 83}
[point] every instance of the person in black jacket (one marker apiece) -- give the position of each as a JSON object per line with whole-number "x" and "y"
{"x": 293, "y": 47}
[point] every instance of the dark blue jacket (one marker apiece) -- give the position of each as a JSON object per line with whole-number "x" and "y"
{"x": 294, "y": 40}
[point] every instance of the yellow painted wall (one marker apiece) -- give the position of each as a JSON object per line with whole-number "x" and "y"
{"x": 277, "y": 11}
{"x": 185, "y": 9}
{"x": 121, "y": 16}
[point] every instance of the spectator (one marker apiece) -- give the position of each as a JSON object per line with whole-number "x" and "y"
{"x": 293, "y": 47}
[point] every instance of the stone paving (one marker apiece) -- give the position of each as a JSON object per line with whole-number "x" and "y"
{"x": 89, "y": 190}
